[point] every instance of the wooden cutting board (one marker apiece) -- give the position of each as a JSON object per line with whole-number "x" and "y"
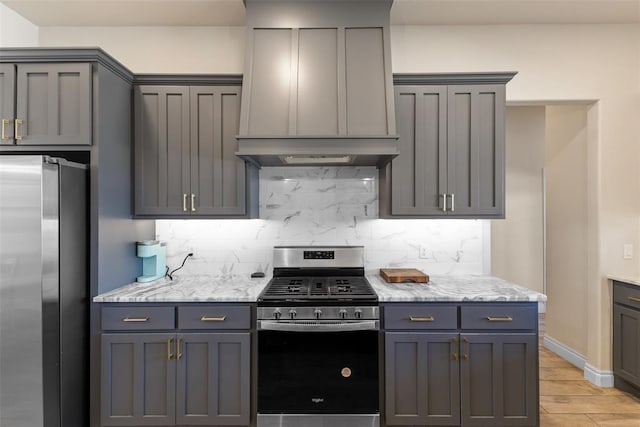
{"x": 400, "y": 275}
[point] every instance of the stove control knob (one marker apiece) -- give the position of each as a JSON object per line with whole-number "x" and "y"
{"x": 342, "y": 313}
{"x": 358, "y": 313}
{"x": 277, "y": 314}
{"x": 292, "y": 313}
{"x": 317, "y": 313}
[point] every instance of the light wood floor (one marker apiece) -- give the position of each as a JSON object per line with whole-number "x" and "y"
{"x": 568, "y": 400}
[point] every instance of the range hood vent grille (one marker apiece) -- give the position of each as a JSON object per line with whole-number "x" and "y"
{"x": 318, "y": 86}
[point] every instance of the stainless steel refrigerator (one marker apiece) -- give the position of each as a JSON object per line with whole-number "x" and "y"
{"x": 43, "y": 292}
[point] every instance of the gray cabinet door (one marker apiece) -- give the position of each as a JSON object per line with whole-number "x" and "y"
{"x": 475, "y": 170}
{"x": 499, "y": 379}
{"x": 138, "y": 379}
{"x": 7, "y": 102}
{"x": 213, "y": 379}
{"x": 422, "y": 382}
{"x": 419, "y": 173}
{"x": 53, "y": 102}
{"x": 626, "y": 343}
{"x": 162, "y": 150}
{"x": 217, "y": 174}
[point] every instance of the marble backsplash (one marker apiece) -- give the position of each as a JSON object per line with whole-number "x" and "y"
{"x": 323, "y": 206}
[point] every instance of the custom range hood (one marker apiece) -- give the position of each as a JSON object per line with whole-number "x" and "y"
{"x": 317, "y": 86}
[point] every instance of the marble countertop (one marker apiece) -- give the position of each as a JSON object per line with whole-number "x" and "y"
{"x": 200, "y": 288}
{"x": 631, "y": 281}
{"x": 237, "y": 288}
{"x": 453, "y": 288}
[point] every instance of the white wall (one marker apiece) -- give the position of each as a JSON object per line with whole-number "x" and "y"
{"x": 15, "y": 31}
{"x": 160, "y": 49}
{"x": 567, "y": 225}
{"x": 517, "y": 241}
{"x": 554, "y": 63}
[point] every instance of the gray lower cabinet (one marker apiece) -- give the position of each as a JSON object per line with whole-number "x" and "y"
{"x": 185, "y": 144}
{"x": 467, "y": 364}
{"x": 451, "y": 143}
{"x": 46, "y": 104}
{"x": 626, "y": 337}
{"x": 175, "y": 378}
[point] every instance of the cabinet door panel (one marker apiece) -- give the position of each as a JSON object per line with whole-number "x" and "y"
{"x": 499, "y": 379}
{"x": 422, "y": 379}
{"x": 476, "y": 149}
{"x": 162, "y": 151}
{"x": 626, "y": 343}
{"x": 7, "y": 99}
{"x": 54, "y": 103}
{"x": 218, "y": 176}
{"x": 138, "y": 380}
{"x": 418, "y": 174}
{"x": 213, "y": 379}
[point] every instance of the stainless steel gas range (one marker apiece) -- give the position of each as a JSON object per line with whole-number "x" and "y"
{"x": 318, "y": 330}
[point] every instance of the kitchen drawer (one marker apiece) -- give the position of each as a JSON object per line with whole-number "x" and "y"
{"x": 499, "y": 316}
{"x": 214, "y": 317}
{"x": 626, "y": 294}
{"x": 420, "y": 316}
{"x": 137, "y": 318}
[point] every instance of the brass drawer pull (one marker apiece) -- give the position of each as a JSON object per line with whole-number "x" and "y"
{"x": 193, "y": 202}
{"x": 5, "y": 122}
{"x": 179, "y": 349}
{"x": 16, "y": 131}
{"x": 456, "y": 348}
{"x": 213, "y": 319}
{"x": 422, "y": 319}
{"x": 465, "y": 356}
{"x": 184, "y": 202}
{"x": 634, "y": 299}
{"x": 499, "y": 319}
{"x": 135, "y": 319}
{"x": 169, "y": 354}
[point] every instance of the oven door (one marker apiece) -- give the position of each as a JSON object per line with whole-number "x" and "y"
{"x": 318, "y": 372}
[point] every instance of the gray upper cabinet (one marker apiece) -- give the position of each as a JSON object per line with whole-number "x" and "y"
{"x": 46, "y": 104}
{"x": 7, "y": 102}
{"x": 451, "y": 161}
{"x": 185, "y": 144}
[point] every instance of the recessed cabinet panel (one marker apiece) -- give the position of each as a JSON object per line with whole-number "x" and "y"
{"x": 161, "y": 149}
{"x": 53, "y": 103}
{"x": 365, "y": 82}
{"x": 271, "y": 78}
{"x": 462, "y": 150}
{"x": 317, "y": 82}
{"x": 626, "y": 343}
{"x": 7, "y": 98}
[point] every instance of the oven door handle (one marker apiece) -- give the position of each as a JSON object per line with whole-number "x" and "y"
{"x": 274, "y": 325}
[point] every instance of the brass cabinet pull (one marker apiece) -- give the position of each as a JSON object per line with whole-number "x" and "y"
{"x": 135, "y": 319}
{"x": 465, "y": 356}
{"x": 5, "y": 122}
{"x": 453, "y": 202}
{"x": 179, "y": 349}
{"x": 169, "y": 354}
{"x": 422, "y": 319}
{"x": 456, "y": 348}
{"x": 16, "y": 132}
{"x": 213, "y": 319}
{"x": 499, "y": 319}
{"x": 193, "y": 202}
{"x": 444, "y": 202}
{"x": 184, "y": 202}
{"x": 634, "y": 299}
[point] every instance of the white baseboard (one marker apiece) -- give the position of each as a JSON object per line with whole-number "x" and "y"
{"x": 591, "y": 374}
{"x": 598, "y": 377}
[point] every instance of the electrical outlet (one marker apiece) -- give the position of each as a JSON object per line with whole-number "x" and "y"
{"x": 627, "y": 252}
{"x": 423, "y": 252}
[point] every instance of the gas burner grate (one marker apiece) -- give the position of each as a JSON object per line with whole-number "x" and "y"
{"x": 314, "y": 288}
